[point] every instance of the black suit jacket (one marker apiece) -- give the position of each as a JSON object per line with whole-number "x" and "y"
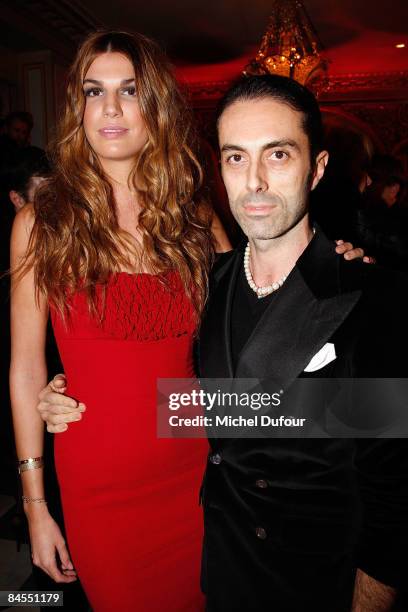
{"x": 287, "y": 521}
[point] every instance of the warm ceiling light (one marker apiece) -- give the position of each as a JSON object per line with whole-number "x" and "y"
{"x": 290, "y": 47}
{"x": 400, "y": 46}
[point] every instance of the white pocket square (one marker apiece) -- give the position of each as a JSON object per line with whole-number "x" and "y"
{"x": 322, "y": 358}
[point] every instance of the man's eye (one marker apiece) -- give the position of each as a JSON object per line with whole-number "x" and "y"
{"x": 279, "y": 155}
{"x": 94, "y": 91}
{"x": 234, "y": 159}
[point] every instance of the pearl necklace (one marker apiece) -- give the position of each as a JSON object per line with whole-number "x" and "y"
{"x": 260, "y": 291}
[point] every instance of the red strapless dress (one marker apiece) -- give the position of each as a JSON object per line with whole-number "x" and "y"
{"x": 130, "y": 500}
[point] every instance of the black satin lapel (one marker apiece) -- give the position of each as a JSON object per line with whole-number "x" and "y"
{"x": 239, "y": 261}
{"x": 215, "y": 356}
{"x": 297, "y": 324}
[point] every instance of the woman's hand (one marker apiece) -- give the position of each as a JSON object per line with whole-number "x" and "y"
{"x": 46, "y": 543}
{"x": 56, "y": 409}
{"x": 349, "y": 252}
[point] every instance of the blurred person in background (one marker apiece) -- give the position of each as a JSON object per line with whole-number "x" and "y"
{"x": 400, "y": 151}
{"x": 336, "y": 200}
{"x": 387, "y": 181}
{"x": 21, "y": 174}
{"x": 16, "y": 129}
{"x": 382, "y": 224}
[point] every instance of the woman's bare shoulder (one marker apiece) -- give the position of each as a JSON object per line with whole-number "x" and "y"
{"x": 22, "y": 227}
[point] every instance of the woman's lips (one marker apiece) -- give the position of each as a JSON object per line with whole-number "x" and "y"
{"x": 113, "y": 132}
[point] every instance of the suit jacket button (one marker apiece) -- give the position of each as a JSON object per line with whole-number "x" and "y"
{"x": 216, "y": 458}
{"x": 261, "y": 484}
{"x": 261, "y": 533}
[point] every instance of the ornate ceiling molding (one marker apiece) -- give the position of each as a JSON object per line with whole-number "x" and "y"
{"x": 373, "y": 86}
{"x": 370, "y": 85}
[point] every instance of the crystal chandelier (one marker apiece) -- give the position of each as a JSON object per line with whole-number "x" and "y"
{"x": 291, "y": 47}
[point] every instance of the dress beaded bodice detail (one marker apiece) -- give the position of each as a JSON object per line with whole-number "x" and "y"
{"x": 139, "y": 307}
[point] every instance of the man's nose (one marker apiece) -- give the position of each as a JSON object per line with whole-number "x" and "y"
{"x": 257, "y": 178}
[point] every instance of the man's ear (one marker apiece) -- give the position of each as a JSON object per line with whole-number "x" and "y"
{"x": 17, "y": 200}
{"x": 320, "y": 166}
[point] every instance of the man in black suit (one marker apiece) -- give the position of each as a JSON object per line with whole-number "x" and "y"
{"x": 289, "y": 522}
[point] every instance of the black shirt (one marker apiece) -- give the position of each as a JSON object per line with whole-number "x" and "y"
{"x": 247, "y": 309}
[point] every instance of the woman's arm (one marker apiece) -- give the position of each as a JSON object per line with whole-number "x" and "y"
{"x": 28, "y": 375}
{"x": 28, "y": 371}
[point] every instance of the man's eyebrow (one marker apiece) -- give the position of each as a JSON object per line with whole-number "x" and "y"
{"x": 100, "y": 83}
{"x": 231, "y": 147}
{"x": 286, "y": 142}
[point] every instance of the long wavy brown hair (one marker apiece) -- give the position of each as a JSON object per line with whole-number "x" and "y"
{"x": 76, "y": 241}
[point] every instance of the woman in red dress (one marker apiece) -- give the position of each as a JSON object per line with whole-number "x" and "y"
{"x": 113, "y": 247}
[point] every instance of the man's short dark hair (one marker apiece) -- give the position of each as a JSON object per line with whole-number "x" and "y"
{"x": 284, "y": 90}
